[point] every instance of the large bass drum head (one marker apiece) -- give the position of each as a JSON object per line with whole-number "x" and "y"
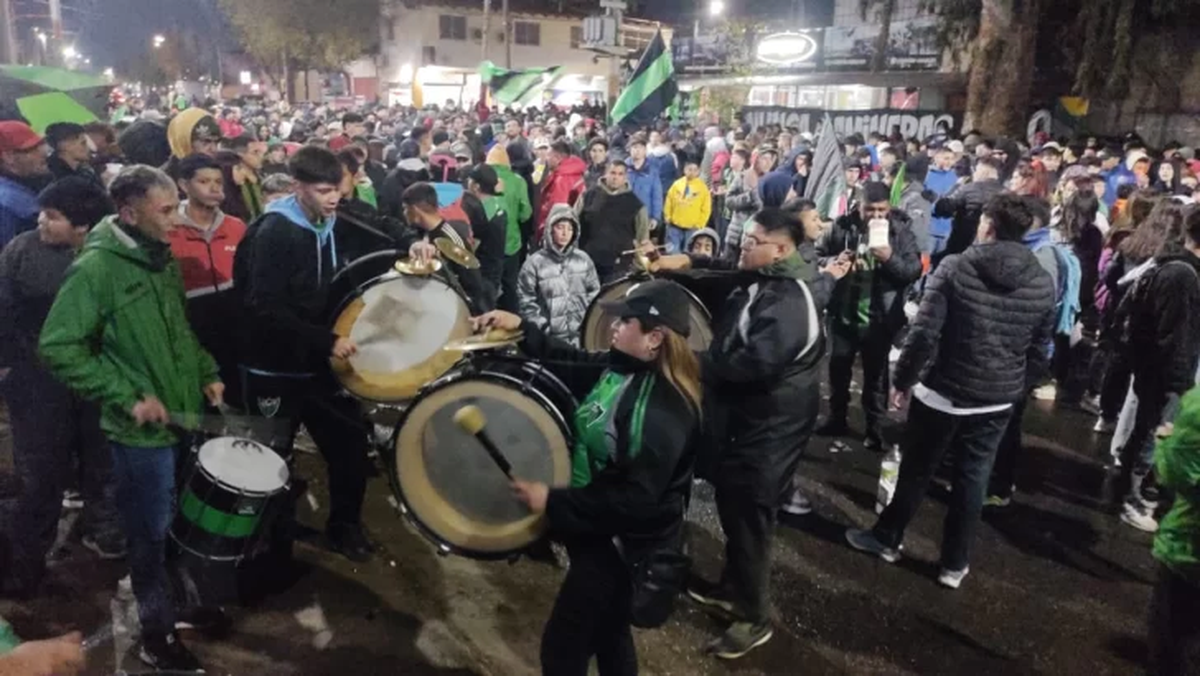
{"x": 596, "y": 331}
{"x": 400, "y": 324}
{"x": 451, "y": 486}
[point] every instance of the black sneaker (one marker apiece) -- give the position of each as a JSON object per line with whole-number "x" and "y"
{"x": 167, "y": 653}
{"x": 739, "y": 639}
{"x": 350, "y": 541}
{"x": 210, "y": 621}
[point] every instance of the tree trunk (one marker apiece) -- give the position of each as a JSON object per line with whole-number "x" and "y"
{"x": 1002, "y": 66}
{"x": 880, "y": 59}
{"x": 287, "y": 80}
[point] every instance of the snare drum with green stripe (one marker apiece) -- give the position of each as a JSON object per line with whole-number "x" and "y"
{"x": 231, "y": 493}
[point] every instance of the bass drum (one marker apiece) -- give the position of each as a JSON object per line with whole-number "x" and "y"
{"x": 448, "y": 484}
{"x": 596, "y": 330}
{"x": 400, "y": 324}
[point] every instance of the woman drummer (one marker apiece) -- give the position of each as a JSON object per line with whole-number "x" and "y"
{"x": 631, "y": 470}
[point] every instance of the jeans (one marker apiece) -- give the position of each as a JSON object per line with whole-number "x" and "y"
{"x": 1174, "y": 625}
{"x": 1137, "y": 455}
{"x": 874, "y": 346}
{"x": 145, "y": 480}
{"x": 508, "y": 284}
{"x": 929, "y": 434}
{"x": 51, "y": 426}
{"x": 591, "y": 615}
{"x": 1004, "y": 470}
{"x": 676, "y": 239}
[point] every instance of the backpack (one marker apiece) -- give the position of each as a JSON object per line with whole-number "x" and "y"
{"x": 1070, "y": 281}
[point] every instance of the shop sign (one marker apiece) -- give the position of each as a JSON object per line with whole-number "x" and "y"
{"x": 786, "y": 49}
{"x": 912, "y": 123}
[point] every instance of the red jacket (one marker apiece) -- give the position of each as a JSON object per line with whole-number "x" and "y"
{"x": 231, "y": 128}
{"x": 563, "y": 186}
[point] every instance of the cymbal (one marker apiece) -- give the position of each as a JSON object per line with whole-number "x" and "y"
{"x": 491, "y": 340}
{"x": 456, "y": 253}
{"x": 408, "y": 266}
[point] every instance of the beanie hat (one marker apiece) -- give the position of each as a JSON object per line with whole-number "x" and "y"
{"x": 83, "y": 201}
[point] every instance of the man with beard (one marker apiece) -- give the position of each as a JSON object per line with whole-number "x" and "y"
{"x": 611, "y": 219}
{"x": 23, "y": 174}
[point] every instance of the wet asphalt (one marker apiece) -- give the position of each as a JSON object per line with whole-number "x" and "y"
{"x": 1057, "y": 586}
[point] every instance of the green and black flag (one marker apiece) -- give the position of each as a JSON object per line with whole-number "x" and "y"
{"x": 651, "y": 89}
{"x": 516, "y": 86}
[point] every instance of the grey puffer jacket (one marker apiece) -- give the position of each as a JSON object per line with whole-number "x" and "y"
{"x": 557, "y": 285}
{"x": 741, "y": 202}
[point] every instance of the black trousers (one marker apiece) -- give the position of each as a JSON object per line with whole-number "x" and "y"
{"x": 336, "y": 424}
{"x": 930, "y": 434}
{"x": 591, "y": 615}
{"x": 52, "y": 428}
{"x": 749, "y": 528}
{"x": 874, "y": 346}
{"x": 1174, "y": 626}
{"x": 1004, "y": 470}
{"x": 508, "y": 284}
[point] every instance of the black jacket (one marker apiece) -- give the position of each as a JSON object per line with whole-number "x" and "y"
{"x": 407, "y": 173}
{"x": 964, "y": 206}
{"x": 982, "y": 334}
{"x": 640, "y": 500}
{"x": 361, "y": 230}
{"x": 890, "y": 280}
{"x": 489, "y": 235}
{"x": 471, "y": 282}
{"x": 283, "y": 272}
{"x": 761, "y": 400}
{"x": 60, "y": 170}
{"x": 1164, "y": 324}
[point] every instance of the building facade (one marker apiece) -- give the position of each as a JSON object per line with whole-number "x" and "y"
{"x": 430, "y": 52}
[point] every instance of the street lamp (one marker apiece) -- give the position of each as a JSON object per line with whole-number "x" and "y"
{"x": 69, "y": 52}
{"x": 159, "y": 40}
{"x": 716, "y": 8}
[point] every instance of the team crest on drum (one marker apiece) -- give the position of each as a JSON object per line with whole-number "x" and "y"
{"x": 269, "y": 406}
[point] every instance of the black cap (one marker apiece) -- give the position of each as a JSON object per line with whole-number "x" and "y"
{"x": 656, "y": 303}
{"x": 486, "y": 177}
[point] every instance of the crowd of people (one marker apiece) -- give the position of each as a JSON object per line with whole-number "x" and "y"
{"x": 162, "y": 265}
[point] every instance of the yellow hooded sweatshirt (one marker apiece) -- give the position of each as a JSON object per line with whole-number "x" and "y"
{"x": 182, "y": 130}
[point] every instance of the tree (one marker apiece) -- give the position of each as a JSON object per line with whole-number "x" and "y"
{"x": 886, "y": 9}
{"x": 1083, "y": 47}
{"x": 308, "y": 33}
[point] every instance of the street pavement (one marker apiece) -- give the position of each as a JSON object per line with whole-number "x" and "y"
{"x": 1057, "y": 586}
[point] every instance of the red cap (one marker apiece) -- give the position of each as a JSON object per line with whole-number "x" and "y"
{"x": 17, "y": 136}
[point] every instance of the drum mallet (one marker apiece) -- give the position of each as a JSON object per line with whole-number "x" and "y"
{"x": 472, "y": 421}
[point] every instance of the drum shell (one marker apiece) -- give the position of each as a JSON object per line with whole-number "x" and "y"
{"x": 595, "y": 330}
{"x": 540, "y": 389}
{"x": 349, "y": 287}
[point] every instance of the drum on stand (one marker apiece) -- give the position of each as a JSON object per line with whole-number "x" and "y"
{"x": 446, "y": 482}
{"x": 596, "y": 329}
{"x": 227, "y": 499}
{"x": 400, "y": 324}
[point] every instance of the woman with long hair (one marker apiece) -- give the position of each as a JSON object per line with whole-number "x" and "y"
{"x": 631, "y": 470}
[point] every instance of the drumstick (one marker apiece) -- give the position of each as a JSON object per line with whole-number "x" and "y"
{"x": 660, "y": 247}
{"x": 472, "y": 421}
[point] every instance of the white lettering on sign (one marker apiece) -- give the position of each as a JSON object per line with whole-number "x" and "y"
{"x": 784, "y": 49}
{"x": 912, "y": 124}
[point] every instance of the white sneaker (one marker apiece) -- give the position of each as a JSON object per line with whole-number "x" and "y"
{"x": 1048, "y": 392}
{"x": 798, "y": 505}
{"x": 1104, "y": 426}
{"x": 952, "y": 579}
{"x": 1140, "y": 519}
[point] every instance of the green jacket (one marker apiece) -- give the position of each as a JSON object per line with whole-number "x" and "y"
{"x": 516, "y": 206}
{"x": 1177, "y": 460}
{"x": 117, "y": 332}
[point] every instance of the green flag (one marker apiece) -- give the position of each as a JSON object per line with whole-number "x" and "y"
{"x": 516, "y": 86}
{"x": 651, "y": 89}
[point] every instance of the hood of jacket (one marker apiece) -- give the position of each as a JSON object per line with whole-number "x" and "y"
{"x": 1005, "y": 266}
{"x": 606, "y": 188}
{"x": 715, "y": 145}
{"x": 498, "y": 157}
{"x": 413, "y": 166}
{"x": 774, "y": 187}
{"x": 518, "y": 155}
{"x": 289, "y": 207}
{"x": 185, "y": 126}
{"x": 560, "y": 212}
{"x": 111, "y": 236}
{"x": 704, "y": 232}
{"x": 788, "y": 165}
{"x": 571, "y": 167}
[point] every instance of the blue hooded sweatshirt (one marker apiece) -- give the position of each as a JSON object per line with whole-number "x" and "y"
{"x": 646, "y": 183}
{"x": 941, "y": 183}
{"x": 18, "y": 210}
{"x": 290, "y": 208}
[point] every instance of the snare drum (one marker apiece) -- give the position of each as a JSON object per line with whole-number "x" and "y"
{"x": 596, "y": 329}
{"x": 230, "y": 495}
{"x": 448, "y": 484}
{"x": 400, "y": 324}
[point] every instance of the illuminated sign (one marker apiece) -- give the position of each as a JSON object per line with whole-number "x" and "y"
{"x": 785, "y": 49}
